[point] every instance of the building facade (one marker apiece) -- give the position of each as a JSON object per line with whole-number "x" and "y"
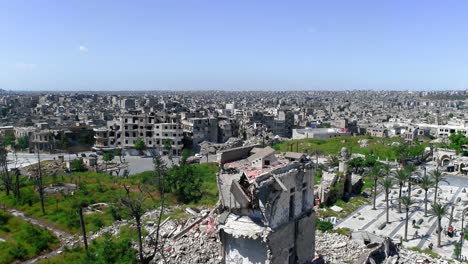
{"x": 268, "y": 204}
{"x": 154, "y": 129}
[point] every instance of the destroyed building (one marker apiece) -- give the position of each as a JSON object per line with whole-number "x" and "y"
{"x": 267, "y": 207}
{"x": 153, "y": 128}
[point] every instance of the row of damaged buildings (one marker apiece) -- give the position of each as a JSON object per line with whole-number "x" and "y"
{"x": 251, "y": 116}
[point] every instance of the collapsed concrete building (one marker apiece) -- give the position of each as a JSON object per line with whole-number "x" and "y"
{"x": 267, "y": 206}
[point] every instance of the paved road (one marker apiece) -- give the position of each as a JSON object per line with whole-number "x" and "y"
{"x": 460, "y": 181}
{"x": 136, "y": 163}
{"x": 25, "y": 159}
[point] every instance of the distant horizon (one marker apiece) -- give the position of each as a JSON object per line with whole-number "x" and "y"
{"x": 239, "y": 90}
{"x": 247, "y": 45}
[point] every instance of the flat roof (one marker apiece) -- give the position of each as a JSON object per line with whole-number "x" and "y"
{"x": 253, "y": 172}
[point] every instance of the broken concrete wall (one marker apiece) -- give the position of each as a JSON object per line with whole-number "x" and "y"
{"x": 234, "y": 154}
{"x": 243, "y": 250}
{"x": 280, "y": 242}
{"x": 276, "y": 201}
{"x": 305, "y": 242}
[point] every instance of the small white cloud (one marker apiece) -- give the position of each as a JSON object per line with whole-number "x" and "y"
{"x": 24, "y": 66}
{"x": 83, "y": 49}
{"x": 311, "y": 30}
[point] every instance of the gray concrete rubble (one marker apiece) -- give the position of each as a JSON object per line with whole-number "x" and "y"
{"x": 192, "y": 240}
{"x": 337, "y": 248}
{"x": 365, "y": 247}
{"x": 207, "y": 147}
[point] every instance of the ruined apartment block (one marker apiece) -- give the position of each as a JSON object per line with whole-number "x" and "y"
{"x": 153, "y": 128}
{"x": 268, "y": 212}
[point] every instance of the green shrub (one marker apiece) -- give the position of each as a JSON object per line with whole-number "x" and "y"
{"x": 324, "y": 226}
{"x": 77, "y": 165}
{"x": 4, "y": 218}
{"x": 185, "y": 183}
{"x": 115, "y": 213}
{"x": 37, "y": 238}
{"x": 98, "y": 222}
{"x": 19, "y": 252}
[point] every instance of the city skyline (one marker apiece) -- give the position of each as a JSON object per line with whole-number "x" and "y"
{"x": 208, "y": 45}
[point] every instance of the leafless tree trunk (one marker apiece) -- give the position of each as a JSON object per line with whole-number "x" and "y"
{"x": 135, "y": 205}
{"x": 83, "y": 228}
{"x": 16, "y": 189}
{"x": 39, "y": 183}
{"x": 6, "y": 177}
{"x": 159, "y": 174}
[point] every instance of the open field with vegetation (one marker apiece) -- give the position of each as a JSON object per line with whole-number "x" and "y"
{"x": 106, "y": 249}
{"x": 22, "y": 240}
{"x": 348, "y": 207}
{"x": 62, "y": 208}
{"x": 379, "y": 147}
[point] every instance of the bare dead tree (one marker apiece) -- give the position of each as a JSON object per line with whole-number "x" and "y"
{"x": 39, "y": 182}
{"x": 16, "y": 187}
{"x": 6, "y": 177}
{"x": 135, "y": 205}
{"x": 83, "y": 227}
{"x": 159, "y": 174}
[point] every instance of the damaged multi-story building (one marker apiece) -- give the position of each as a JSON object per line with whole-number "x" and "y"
{"x": 267, "y": 201}
{"x": 211, "y": 129}
{"x": 153, "y": 128}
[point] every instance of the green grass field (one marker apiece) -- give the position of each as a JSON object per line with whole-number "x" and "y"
{"x": 380, "y": 147}
{"x": 105, "y": 249}
{"x": 22, "y": 240}
{"x": 348, "y": 207}
{"x": 117, "y": 249}
{"x": 61, "y": 209}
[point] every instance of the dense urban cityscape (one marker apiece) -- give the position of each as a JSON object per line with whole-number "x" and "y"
{"x": 234, "y": 177}
{"x": 233, "y": 132}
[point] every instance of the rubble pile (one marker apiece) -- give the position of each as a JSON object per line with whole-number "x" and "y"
{"x": 192, "y": 240}
{"x": 363, "y": 143}
{"x": 52, "y": 167}
{"x": 412, "y": 257}
{"x": 269, "y": 140}
{"x": 337, "y": 248}
{"x": 211, "y": 148}
{"x": 65, "y": 188}
{"x": 113, "y": 229}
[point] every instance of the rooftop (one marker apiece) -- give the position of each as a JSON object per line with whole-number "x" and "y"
{"x": 252, "y": 172}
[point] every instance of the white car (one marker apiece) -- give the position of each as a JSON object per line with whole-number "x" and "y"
{"x": 198, "y": 155}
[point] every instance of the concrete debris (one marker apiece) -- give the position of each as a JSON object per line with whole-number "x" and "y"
{"x": 64, "y": 188}
{"x": 192, "y": 240}
{"x": 336, "y": 208}
{"x": 337, "y": 249}
{"x": 211, "y": 148}
{"x": 363, "y": 143}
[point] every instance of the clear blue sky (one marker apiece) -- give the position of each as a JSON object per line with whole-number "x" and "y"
{"x": 233, "y": 44}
